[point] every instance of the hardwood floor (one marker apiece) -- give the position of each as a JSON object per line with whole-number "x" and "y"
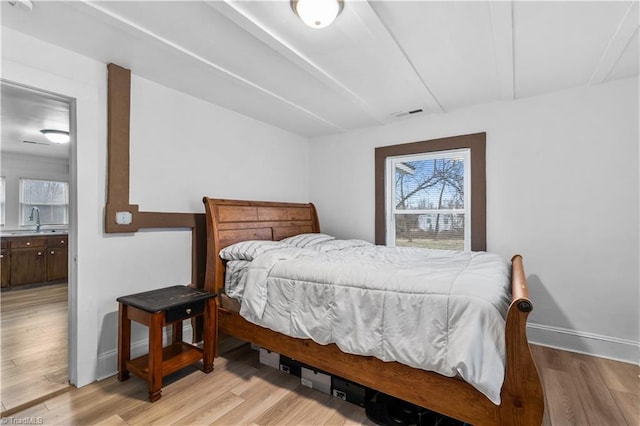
{"x": 585, "y": 390}
{"x": 34, "y": 344}
{"x": 579, "y": 389}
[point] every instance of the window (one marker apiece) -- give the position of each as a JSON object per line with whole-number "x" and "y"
{"x": 428, "y": 204}
{"x": 50, "y": 198}
{"x": 432, "y": 193}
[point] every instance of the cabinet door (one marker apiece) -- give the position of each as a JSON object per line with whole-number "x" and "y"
{"x": 57, "y": 263}
{"x": 28, "y": 266}
{"x": 4, "y": 267}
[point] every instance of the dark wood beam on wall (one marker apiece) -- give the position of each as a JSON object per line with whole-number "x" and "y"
{"x": 120, "y": 215}
{"x": 118, "y": 116}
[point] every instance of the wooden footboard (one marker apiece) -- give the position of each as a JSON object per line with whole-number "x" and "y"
{"x": 521, "y": 395}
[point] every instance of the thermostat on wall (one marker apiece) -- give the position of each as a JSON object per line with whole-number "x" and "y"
{"x": 123, "y": 218}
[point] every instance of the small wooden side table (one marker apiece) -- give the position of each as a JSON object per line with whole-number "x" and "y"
{"x": 156, "y": 309}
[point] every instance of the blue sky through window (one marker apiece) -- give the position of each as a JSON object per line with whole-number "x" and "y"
{"x": 435, "y": 183}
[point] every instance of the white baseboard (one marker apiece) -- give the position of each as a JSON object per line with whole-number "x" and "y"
{"x": 108, "y": 361}
{"x": 585, "y": 343}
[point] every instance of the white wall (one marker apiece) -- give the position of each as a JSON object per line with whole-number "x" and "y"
{"x": 181, "y": 149}
{"x": 562, "y": 190}
{"x": 18, "y": 166}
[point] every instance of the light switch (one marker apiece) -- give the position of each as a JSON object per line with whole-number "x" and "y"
{"x": 123, "y": 218}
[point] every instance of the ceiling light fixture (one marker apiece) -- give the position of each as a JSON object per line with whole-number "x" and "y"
{"x": 317, "y": 13}
{"x": 56, "y": 136}
{"x": 22, "y": 3}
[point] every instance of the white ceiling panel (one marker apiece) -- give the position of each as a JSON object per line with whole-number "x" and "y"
{"x": 560, "y": 44}
{"x": 450, "y": 44}
{"x": 628, "y": 64}
{"x": 356, "y": 53}
{"x": 238, "y": 75}
{"x": 379, "y": 59}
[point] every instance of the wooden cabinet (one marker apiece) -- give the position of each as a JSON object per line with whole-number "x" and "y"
{"x": 57, "y": 258}
{"x": 28, "y": 262}
{"x": 31, "y": 260}
{"x": 4, "y": 263}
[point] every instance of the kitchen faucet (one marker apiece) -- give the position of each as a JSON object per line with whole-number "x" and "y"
{"x": 37, "y": 213}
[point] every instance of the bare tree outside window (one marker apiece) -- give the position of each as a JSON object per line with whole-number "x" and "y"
{"x": 429, "y": 202}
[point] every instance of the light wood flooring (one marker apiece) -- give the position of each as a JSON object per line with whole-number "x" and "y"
{"x": 33, "y": 345}
{"x": 579, "y": 390}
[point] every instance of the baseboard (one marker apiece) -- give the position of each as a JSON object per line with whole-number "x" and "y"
{"x": 585, "y": 343}
{"x": 108, "y": 361}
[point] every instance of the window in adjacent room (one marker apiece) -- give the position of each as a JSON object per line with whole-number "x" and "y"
{"x": 48, "y": 198}
{"x": 432, "y": 194}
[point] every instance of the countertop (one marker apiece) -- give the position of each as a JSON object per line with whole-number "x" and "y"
{"x": 33, "y": 233}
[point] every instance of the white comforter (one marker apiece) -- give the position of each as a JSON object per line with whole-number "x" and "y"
{"x": 437, "y": 310}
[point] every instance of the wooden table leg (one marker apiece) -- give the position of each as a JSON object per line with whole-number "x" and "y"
{"x": 209, "y": 335}
{"x": 124, "y": 342}
{"x": 155, "y": 356}
{"x": 177, "y": 332}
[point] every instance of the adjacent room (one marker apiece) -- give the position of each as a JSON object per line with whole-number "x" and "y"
{"x": 203, "y": 149}
{"x": 34, "y": 237}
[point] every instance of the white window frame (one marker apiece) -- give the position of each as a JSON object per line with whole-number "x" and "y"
{"x": 390, "y": 185}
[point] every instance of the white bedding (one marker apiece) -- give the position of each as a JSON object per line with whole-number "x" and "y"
{"x": 437, "y": 310}
{"x": 234, "y": 278}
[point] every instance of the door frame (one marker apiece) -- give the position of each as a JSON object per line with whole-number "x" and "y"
{"x": 83, "y": 101}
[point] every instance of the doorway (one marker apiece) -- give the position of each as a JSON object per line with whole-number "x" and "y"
{"x": 37, "y": 214}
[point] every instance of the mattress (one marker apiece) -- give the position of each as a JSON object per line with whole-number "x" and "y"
{"x": 438, "y": 310}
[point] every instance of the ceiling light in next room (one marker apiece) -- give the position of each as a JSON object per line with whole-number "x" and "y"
{"x": 317, "y": 13}
{"x": 26, "y": 4}
{"x": 56, "y": 136}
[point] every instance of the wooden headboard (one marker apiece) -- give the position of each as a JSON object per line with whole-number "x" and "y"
{"x": 232, "y": 221}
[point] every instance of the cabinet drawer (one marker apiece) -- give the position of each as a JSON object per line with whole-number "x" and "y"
{"x": 27, "y": 242}
{"x": 184, "y": 312}
{"x": 57, "y": 241}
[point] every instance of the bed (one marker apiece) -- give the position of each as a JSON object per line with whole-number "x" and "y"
{"x": 520, "y": 397}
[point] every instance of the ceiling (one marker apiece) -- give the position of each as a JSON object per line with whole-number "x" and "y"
{"x": 24, "y": 113}
{"x": 375, "y": 63}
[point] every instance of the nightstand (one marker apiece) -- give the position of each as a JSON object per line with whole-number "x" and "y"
{"x": 156, "y": 309}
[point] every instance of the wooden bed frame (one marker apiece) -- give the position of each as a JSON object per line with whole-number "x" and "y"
{"x": 231, "y": 221}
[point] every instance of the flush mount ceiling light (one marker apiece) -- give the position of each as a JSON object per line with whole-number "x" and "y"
{"x": 22, "y": 3}
{"x": 317, "y": 13}
{"x": 56, "y": 136}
